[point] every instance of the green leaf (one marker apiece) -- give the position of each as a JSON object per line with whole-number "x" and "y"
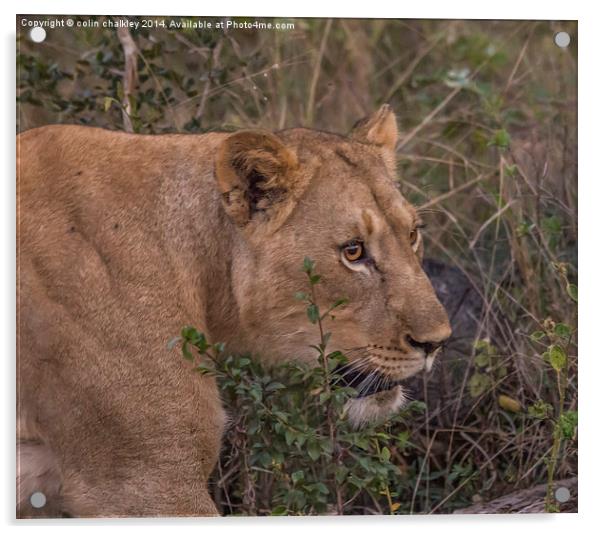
{"x": 313, "y": 450}
{"x": 339, "y": 302}
{"x": 189, "y": 333}
{"x": 201, "y": 342}
{"x": 418, "y": 406}
{"x": 107, "y": 103}
{"x": 204, "y": 368}
{"x": 297, "y": 476}
{"x": 313, "y": 313}
{"x": 274, "y": 386}
{"x": 321, "y": 487}
{"x": 567, "y": 423}
{"x": 478, "y": 384}
{"x": 341, "y": 473}
{"x": 571, "y": 289}
{"x": 280, "y": 415}
{"x": 324, "y": 396}
{"x": 355, "y": 481}
{"x": 253, "y": 427}
{"x": 308, "y": 265}
{"x": 539, "y": 410}
{"x": 255, "y": 393}
{"x": 289, "y": 437}
{"x": 524, "y": 228}
{"x": 186, "y": 351}
{"x": 402, "y": 439}
{"x": 264, "y": 459}
{"x": 501, "y": 139}
{"x": 300, "y": 440}
{"x": 557, "y": 357}
{"x": 562, "y": 330}
{"x": 483, "y": 345}
{"x": 385, "y": 454}
{"x": 281, "y": 509}
{"x": 482, "y": 360}
{"x": 362, "y": 442}
{"x": 314, "y": 279}
{"x": 537, "y": 335}
{"x": 326, "y": 446}
{"x": 299, "y": 295}
{"x": 510, "y": 170}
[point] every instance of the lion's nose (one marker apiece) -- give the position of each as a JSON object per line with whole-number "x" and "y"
{"x": 428, "y": 346}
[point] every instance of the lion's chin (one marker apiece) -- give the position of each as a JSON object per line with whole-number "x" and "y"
{"x": 374, "y": 408}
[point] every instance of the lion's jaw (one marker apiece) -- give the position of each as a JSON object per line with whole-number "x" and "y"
{"x": 375, "y": 408}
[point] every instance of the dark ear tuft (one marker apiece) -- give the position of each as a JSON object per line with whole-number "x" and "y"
{"x": 252, "y": 169}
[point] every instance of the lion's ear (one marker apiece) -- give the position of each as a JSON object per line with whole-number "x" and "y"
{"x": 252, "y": 170}
{"x": 378, "y": 129}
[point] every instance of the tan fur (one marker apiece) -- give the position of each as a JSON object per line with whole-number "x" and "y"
{"x": 123, "y": 239}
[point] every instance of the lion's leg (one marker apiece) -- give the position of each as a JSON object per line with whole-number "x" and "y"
{"x": 94, "y": 457}
{"x": 136, "y": 496}
{"x": 134, "y": 490}
{"x": 134, "y": 432}
{"x": 38, "y": 480}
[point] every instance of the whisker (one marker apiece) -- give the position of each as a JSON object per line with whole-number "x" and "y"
{"x": 382, "y": 382}
{"x": 367, "y": 382}
{"x": 355, "y": 365}
{"x": 354, "y": 379}
{"x": 358, "y": 368}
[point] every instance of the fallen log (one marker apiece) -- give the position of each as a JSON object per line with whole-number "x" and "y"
{"x": 528, "y": 501}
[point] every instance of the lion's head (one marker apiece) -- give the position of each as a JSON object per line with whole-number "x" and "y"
{"x": 302, "y": 192}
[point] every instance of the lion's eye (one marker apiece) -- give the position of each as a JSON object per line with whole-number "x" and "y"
{"x": 354, "y": 251}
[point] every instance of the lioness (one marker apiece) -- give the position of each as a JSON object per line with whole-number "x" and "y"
{"x": 123, "y": 239}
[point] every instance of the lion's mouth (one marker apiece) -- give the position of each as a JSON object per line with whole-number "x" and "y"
{"x": 366, "y": 383}
{"x": 371, "y": 381}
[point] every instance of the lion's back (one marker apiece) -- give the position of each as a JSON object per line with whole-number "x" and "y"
{"x": 98, "y": 298}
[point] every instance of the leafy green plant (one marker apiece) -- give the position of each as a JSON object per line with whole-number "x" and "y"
{"x": 558, "y": 338}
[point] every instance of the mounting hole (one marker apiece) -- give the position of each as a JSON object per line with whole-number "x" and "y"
{"x": 38, "y": 499}
{"x": 562, "y": 39}
{"x": 562, "y": 494}
{"x": 37, "y": 34}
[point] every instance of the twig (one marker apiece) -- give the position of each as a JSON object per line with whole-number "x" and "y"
{"x": 494, "y": 217}
{"x": 451, "y": 193}
{"x": 130, "y": 75}
{"x": 518, "y": 61}
{"x": 429, "y": 118}
{"x": 410, "y": 68}
{"x": 309, "y": 112}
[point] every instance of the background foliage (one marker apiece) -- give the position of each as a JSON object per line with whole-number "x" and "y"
{"x": 488, "y": 151}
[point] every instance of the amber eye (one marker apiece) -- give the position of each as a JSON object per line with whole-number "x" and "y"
{"x": 353, "y": 251}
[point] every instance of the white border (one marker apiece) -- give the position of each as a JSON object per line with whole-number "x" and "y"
{"x": 459, "y": 9}
{"x": 590, "y": 357}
